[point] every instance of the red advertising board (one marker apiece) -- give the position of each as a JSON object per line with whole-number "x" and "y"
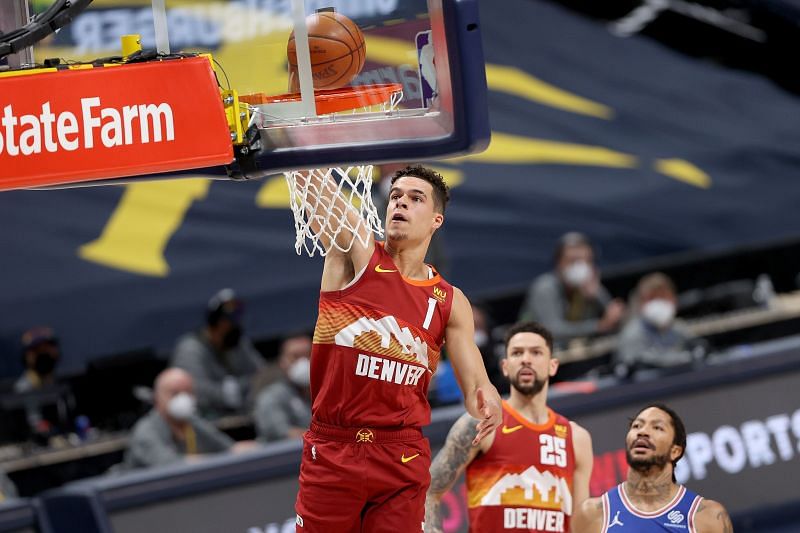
{"x": 109, "y": 122}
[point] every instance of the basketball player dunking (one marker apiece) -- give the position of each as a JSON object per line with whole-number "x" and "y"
{"x": 650, "y": 500}
{"x": 383, "y": 317}
{"x": 532, "y": 471}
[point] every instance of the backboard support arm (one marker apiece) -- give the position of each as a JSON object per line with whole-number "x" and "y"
{"x": 14, "y": 14}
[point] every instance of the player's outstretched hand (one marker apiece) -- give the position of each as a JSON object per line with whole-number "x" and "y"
{"x": 489, "y": 407}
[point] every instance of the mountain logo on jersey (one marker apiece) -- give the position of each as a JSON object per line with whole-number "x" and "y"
{"x": 530, "y": 488}
{"x": 386, "y": 329}
{"x": 561, "y": 431}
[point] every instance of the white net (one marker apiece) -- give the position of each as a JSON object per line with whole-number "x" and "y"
{"x": 332, "y": 208}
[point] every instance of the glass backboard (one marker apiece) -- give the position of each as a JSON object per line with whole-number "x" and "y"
{"x": 424, "y": 56}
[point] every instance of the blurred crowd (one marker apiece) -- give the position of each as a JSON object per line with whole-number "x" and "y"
{"x": 215, "y": 373}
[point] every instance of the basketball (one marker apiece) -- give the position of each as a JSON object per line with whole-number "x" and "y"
{"x": 337, "y": 47}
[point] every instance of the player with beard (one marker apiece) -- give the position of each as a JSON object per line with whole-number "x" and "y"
{"x": 650, "y": 500}
{"x": 533, "y": 470}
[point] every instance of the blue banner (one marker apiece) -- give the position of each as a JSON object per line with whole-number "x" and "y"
{"x": 648, "y": 151}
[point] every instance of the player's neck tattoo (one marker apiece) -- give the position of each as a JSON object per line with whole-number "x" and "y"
{"x": 653, "y": 488}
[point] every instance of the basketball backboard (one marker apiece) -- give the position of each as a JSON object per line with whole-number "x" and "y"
{"x": 430, "y": 49}
{"x": 428, "y": 52}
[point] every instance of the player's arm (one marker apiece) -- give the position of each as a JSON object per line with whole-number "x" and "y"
{"x": 480, "y": 397}
{"x": 588, "y": 516}
{"x": 584, "y": 459}
{"x": 451, "y": 460}
{"x": 711, "y": 517}
{"x": 330, "y": 213}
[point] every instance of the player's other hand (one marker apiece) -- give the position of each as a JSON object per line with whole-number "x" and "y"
{"x": 490, "y": 410}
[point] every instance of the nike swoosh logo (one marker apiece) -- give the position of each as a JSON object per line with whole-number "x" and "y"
{"x": 381, "y": 270}
{"x": 405, "y": 459}
{"x": 507, "y": 430}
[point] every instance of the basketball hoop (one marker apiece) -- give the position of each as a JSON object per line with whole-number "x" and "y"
{"x": 321, "y": 199}
{"x": 353, "y": 100}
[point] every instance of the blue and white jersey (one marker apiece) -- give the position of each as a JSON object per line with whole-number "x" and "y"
{"x": 619, "y": 514}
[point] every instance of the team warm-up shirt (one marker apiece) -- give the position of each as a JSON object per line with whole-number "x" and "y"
{"x": 619, "y": 514}
{"x": 524, "y": 481}
{"x": 376, "y": 346}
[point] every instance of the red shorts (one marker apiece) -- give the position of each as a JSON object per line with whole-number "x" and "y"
{"x": 362, "y": 480}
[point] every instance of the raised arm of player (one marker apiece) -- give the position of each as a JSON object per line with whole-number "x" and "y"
{"x": 711, "y": 517}
{"x": 584, "y": 459}
{"x": 451, "y": 460}
{"x": 326, "y": 207}
{"x": 480, "y": 397}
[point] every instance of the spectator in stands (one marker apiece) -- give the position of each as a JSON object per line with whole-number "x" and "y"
{"x": 48, "y": 403}
{"x": 653, "y": 338}
{"x": 219, "y": 357}
{"x": 570, "y": 301}
{"x": 40, "y": 356}
{"x": 172, "y": 431}
{"x": 283, "y": 408}
{"x": 7, "y": 489}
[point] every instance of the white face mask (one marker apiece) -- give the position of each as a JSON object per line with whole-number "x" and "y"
{"x": 182, "y": 406}
{"x": 577, "y": 273}
{"x": 299, "y": 372}
{"x": 659, "y": 312}
{"x": 481, "y": 338}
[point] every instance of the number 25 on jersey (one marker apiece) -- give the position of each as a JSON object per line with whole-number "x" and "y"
{"x": 553, "y": 450}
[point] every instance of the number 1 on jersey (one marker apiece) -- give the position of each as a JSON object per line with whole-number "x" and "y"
{"x": 429, "y": 314}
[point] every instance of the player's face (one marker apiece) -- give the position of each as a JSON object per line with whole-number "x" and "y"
{"x": 649, "y": 442}
{"x": 411, "y": 211}
{"x": 528, "y": 364}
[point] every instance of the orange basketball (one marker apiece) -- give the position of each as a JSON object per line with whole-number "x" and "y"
{"x": 337, "y": 47}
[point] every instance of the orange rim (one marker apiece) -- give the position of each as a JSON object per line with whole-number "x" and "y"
{"x": 345, "y": 99}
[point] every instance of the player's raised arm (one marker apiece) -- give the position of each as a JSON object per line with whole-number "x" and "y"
{"x": 480, "y": 397}
{"x": 330, "y": 213}
{"x": 451, "y": 460}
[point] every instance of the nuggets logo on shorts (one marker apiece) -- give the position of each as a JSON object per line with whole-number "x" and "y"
{"x": 365, "y": 435}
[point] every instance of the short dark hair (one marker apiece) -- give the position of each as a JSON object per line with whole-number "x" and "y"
{"x": 677, "y": 425}
{"x": 530, "y": 327}
{"x": 441, "y": 192}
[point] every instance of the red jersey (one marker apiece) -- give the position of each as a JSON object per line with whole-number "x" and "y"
{"x": 376, "y": 346}
{"x": 524, "y": 481}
